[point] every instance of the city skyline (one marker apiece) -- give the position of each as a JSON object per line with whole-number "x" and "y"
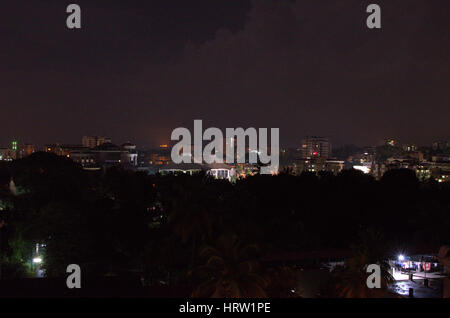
{"x": 189, "y": 152}
{"x": 137, "y": 72}
{"x": 168, "y": 144}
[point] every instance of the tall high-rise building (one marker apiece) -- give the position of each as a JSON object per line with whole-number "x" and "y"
{"x": 315, "y": 147}
{"x": 14, "y": 149}
{"x": 94, "y": 141}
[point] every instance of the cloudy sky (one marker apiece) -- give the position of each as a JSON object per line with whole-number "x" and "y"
{"x": 138, "y": 69}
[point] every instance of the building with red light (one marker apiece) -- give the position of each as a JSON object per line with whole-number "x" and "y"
{"x": 315, "y": 147}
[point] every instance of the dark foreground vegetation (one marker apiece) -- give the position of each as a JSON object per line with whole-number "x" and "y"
{"x": 211, "y": 237}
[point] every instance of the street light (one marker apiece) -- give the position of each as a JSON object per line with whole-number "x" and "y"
{"x": 401, "y": 258}
{"x": 37, "y": 260}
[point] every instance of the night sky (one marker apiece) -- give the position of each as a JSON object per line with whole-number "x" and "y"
{"x": 138, "y": 69}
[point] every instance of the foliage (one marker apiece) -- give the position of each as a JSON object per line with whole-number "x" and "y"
{"x": 230, "y": 271}
{"x": 118, "y": 222}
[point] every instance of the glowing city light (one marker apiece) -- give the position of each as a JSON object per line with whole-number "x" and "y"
{"x": 364, "y": 169}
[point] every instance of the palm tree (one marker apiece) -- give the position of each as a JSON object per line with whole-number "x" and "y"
{"x": 191, "y": 225}
{"x": 230, "y": 271}
{"x": 189, "y": 216}
{"x": 351, "y": 279}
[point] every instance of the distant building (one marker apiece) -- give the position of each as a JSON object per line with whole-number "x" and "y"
{"x": 94, "y": 141}
{"x": 440, "y": 158}
{"x": 26, "y": 150}
{"x": 155, "y": 157}
{"x": 179, "y": 169}
{"x": 318, "y": 165}
{"x": 104, "y": 155}
{"x": 220, "y": 171}
{"x": 14, "y": 150}
{"x": 378, "y": 170}
{"x": 423, "y": 171}
{"x": 409, "y": 147}
{"x": 108, "y": 154}
{"x": 315, "y": 147}
{"x": 10, "y": 153}
{"x": 416, "y": 155}
{"x": 440, "y": 145}
{"x": 129, "y": 154}
{"x": 85, "y": 158}
{"x": 216, "y": 170}
{"x": 64, "y": 150}
{"x": 7, "y": 154}
{"x": 440, "y": 171}
{"x": 67, "y": 150}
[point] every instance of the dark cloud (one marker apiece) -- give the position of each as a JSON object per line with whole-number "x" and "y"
{"x": 137, "y": 70}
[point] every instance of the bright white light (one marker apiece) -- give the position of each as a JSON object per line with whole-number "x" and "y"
{"x": 37, "y": 260}
{"x": 398, "y": 275}
{"x": 364, "y": 169}
{"x": 401, "y": 258}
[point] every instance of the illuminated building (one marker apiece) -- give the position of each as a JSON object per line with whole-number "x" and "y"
{"x": 440, "y": 171}
{"x": 129, "y": 154}
{"x": 67, "y": 150}
{"x": 158, "y": 159}
{"x": 155, "y": 157}
{"x": 63, "y": 150}
{"x": 317, "y": 165}
{"x": 108, "y": 154}
{"x": 215, "y": 170}
{"x": 26, "y": 150}
{"x": 85, "y": 158}
{"x": 179, "y": 169}
{"x": 94, "y": 141}
{"x": 315, "y": 147}
{"x": 409, "y": 147}
{"x": 220, "y": 171}
{"x": 423, "y": 171}
{"x": 7, "y": 154}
